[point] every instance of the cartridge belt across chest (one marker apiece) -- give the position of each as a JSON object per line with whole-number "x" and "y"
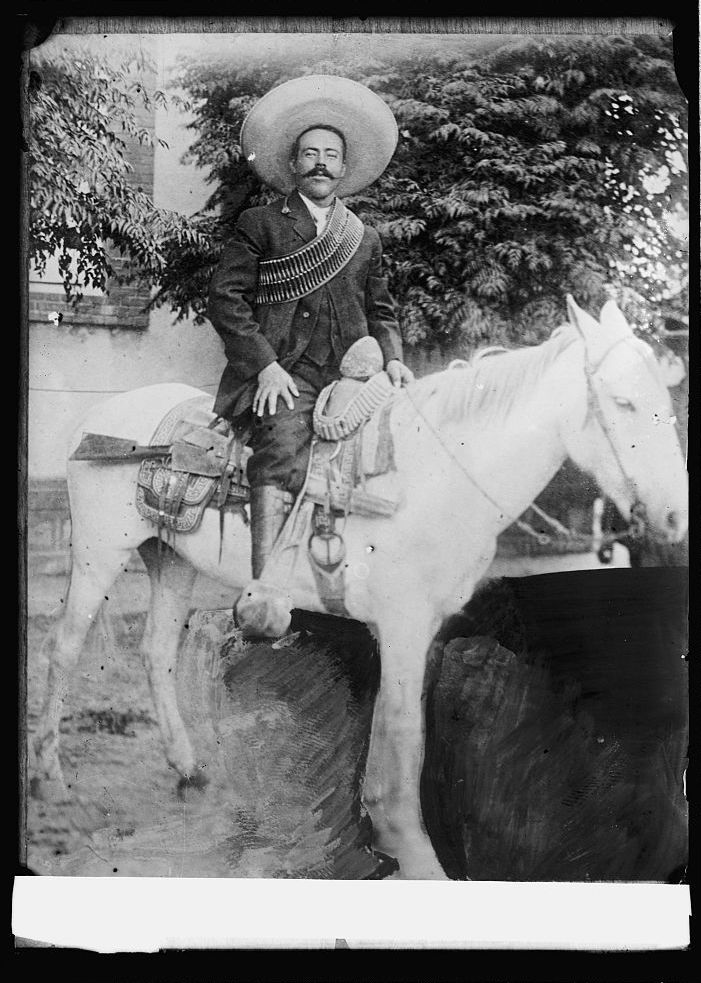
{"x": 300, "y": 273}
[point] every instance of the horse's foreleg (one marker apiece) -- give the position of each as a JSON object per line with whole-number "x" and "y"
{"x": 396, "y": 753}
{"x": 171, "y": 595}
{"x": 89, "y": 582}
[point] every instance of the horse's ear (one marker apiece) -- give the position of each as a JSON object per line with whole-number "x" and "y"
{"x": 583, "y": 322}
{"x": 573, "y": 311}
{"x": 611, "y": 316}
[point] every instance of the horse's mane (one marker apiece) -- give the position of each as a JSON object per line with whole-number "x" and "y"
{"x": 490, "y": 385}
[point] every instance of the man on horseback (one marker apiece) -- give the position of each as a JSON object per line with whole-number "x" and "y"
{"x": 301, "y": 280}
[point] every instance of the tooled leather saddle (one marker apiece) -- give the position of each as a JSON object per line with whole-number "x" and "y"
{"x": 196, "y": 460}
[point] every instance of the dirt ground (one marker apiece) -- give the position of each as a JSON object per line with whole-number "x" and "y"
{"x": 283, "y": 733}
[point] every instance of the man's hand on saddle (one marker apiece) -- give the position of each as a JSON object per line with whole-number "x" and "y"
{"x": 273, "y": 382}
{"x": 399, "y": 374}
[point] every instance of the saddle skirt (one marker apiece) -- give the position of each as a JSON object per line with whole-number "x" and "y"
{"x": 206, "y": 468}
{"x": 175, "y": 499}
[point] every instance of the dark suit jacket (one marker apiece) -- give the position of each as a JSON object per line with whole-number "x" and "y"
{"x": 256, "y": 335}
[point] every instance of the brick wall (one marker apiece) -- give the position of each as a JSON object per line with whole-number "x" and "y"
{"x": 123, "y": 306}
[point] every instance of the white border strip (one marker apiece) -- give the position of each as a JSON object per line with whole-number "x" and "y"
{"x": 147, "y": 914}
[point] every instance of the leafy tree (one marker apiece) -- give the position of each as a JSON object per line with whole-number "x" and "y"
{"x": 537, "y": 170}
{"x": 85, "y": 207}
{"x": 515, "y": 180}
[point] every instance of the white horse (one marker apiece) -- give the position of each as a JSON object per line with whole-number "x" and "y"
{"x": 473, "y": 447}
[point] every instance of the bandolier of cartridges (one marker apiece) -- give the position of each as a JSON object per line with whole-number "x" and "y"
{"x": 290, "y": 277}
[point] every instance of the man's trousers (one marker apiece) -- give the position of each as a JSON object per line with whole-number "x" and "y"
{"x": 281, "y": 441}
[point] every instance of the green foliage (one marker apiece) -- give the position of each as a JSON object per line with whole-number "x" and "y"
{"x": 516, "y": 179}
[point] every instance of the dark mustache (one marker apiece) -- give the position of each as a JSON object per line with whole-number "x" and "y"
{"x": 320, "y": 170}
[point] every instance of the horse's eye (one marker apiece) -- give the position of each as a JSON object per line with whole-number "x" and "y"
{"x": 623, "y": 403}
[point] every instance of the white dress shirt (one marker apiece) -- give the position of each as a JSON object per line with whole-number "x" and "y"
{"x": 320, "y": 215}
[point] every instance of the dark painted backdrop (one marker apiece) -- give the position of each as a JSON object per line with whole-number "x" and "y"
{"x": 557, "y": 735}
{"x": 558, "y": 729}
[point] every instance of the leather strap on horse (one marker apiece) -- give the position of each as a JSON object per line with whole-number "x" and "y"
{"x": 302, "y": 272}
{"x": 594, "y": 406}
{"x": 169, "y": 503}
{"x": 637, "y": 510}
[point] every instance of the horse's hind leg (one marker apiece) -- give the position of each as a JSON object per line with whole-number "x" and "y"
{"x": 89, "y": 582}
{"x": 172, "y": 580}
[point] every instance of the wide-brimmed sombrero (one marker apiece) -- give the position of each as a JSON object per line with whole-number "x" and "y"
{"x": 281, "y": 115}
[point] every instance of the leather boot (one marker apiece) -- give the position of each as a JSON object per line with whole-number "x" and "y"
{"x": 270, "y": 506}
{"x": 264, "y": 609}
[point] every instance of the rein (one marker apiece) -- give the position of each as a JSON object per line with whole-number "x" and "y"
{"x": 542, "y": 537}
{"x": 635, "y": 527}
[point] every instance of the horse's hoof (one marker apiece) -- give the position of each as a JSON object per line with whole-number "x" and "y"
{"x": 386, "y": 867}
{"x": 198, "y": 781}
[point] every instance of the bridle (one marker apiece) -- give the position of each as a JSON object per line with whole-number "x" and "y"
{"x": 636, "y": 526}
